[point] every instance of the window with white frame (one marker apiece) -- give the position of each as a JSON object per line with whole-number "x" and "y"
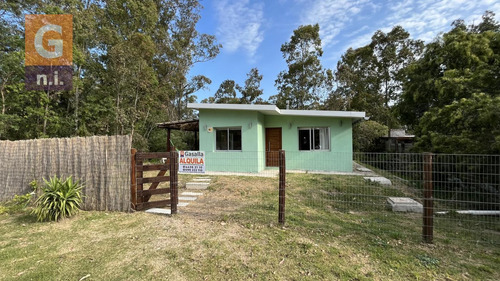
{"x": 314, "y": 138}
{"x": 227, "y": 139}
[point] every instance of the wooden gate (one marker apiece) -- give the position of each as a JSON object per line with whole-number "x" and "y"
{"x": 140, "y": 197}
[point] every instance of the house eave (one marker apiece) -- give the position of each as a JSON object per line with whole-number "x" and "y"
{"x": 273, "y": 110}
{"x": 324, "y": 113}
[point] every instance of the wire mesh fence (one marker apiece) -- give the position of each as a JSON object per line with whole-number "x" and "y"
{"x": 389, "y": 188}
{"x": 458, "y": 197}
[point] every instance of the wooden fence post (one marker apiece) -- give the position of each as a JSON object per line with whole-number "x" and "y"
{"x": 428, "y": 216}
{"x": 133, "y": 179}
{"x": 282, "y": 182}
{"x": 174, "y": 198}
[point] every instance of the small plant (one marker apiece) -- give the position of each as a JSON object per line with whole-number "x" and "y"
{"x": 34, "y": 185}
{"x": 17, "y": 204}
{"x": 59, "y": 199}
{"x": 427, "y": 261}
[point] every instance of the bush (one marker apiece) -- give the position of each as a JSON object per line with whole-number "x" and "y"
{"x": 366, "y": 134}
{"x": 59, "y": 199}
{"x": 19, "y": 202}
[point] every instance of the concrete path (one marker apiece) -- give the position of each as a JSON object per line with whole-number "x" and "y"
{"x": 185, "y": 198}
{"x": 200, "y": 183}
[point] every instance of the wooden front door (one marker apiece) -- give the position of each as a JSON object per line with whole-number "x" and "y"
{"x": 273, "y": 145}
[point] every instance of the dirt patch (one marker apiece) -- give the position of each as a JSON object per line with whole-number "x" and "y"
{"x": 227, "y": 195}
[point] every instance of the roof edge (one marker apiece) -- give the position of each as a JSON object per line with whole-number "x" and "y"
{"x": 274, "y": 110}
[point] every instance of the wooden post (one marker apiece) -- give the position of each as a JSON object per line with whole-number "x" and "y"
{"x": 133, "y": 179}
{"x": 140, "y": 184}
{"x": 282, "y": 182}
{"x": 174, "y": 198}
{"x": 428, "y": 216}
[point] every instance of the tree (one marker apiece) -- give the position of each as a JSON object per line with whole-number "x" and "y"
{"x": 365, "y": 135}
{"x": 456, "y": 65}
{"x": 370, "y": 78}
{"x": 305, "y": 82}
{"x": 357, "y": 82}
{"x": 250, "y": 93}
{"x": 469, "y": 125}
{"x": 226, "y": 92}
{"x": 451, "y": 94}
{"x": 132, "y": 62}
{"x": 180, "y": 46}
{"x": 11, "y": 62}
{"x": 487, "y": 24}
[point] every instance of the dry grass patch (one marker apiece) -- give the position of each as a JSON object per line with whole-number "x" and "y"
{"x": 230, "y": 233}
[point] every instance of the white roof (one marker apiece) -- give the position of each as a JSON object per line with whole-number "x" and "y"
{"x": 273, "y": 110}
{"x": 263, "y": 108}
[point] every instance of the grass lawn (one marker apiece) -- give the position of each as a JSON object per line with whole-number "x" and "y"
{"x": 230, "y": 233}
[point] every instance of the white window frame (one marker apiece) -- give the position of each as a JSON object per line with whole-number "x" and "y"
{"x": 312, "y": 138}
{"x": 228, "y": 129}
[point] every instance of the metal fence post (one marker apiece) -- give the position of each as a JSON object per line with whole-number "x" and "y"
{"x": 133, "y": 179}
{"x": 428, "y": 215}
{"x": 174, "y": 198}
{"x": 282, "y": 182}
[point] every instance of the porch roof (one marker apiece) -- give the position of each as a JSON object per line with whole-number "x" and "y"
{"x": 183, "y": 125}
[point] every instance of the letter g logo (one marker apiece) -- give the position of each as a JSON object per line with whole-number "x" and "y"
{"x": 57, "y": 43}
{"x": 48, "y": 40}
{"x": 48, "y": 60}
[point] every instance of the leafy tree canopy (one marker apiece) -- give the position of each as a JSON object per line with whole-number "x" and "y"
{"x": 305, "y": 82}
{"x": 370, "y": 78}
{"x": 470, "y": 125}
{"x": 131, "y": 62}
{"x": 250, "y": 92}
{"x": 451, "y": 93}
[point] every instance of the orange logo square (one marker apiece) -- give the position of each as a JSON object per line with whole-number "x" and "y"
{"x": 48, "y": 39}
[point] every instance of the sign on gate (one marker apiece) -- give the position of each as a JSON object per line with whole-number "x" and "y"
{"x": 192, "y": 162}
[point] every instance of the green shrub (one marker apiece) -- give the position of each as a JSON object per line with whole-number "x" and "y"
{"x": 59, "y": 199}
{"x": 366, "y": 134}
{"x": 17, "y": 204}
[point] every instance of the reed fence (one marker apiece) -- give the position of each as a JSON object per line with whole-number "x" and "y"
{"x": 101, "y": 163}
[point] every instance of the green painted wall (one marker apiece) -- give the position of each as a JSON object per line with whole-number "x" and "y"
{"x": 252, "y": 156}
{"x": 261, "y": 142}
{"x": 338, "y": 158}
{"x": 247, "y": 160}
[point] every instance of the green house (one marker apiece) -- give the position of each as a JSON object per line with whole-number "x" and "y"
{"x": 247, "y": 138}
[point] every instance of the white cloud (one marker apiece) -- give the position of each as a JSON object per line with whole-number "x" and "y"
{"x": 332, "y": 16}
{"x": 425, "y": 19}
{"x": 240, "y": 25}
{"x": 352, "y": 23}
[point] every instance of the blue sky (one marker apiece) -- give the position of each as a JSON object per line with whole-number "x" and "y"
{"x": 252, "y": 31}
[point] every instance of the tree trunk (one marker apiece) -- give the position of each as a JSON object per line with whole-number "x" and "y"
{"x": 77, "y": 96}
{"x": 45, "y": 115}
{"x": 3, "y": 98}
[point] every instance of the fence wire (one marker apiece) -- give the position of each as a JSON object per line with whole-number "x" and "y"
{"x": 465, "y": 193}
{"x": 386, "y": 189}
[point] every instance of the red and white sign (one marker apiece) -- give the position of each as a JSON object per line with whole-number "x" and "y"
{"x": 192, "y": 162}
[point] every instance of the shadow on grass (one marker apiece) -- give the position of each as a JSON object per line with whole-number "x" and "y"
{"x": 24, "y": 217}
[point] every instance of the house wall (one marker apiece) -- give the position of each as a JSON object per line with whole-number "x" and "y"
{"x": 252, "y": 156}
{"x": 252, "y": 128}
{"x": 338, "y": 158}
{"x": 261, "y": 142}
